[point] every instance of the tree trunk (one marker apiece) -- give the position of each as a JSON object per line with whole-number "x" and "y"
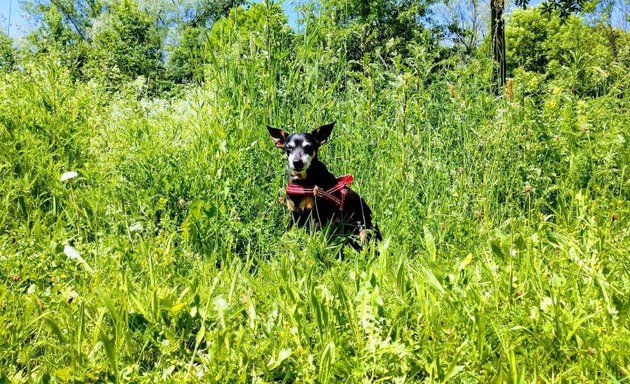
{"x": 497, "y": 28}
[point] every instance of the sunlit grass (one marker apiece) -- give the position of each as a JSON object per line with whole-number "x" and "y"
{"x": 505, "y": 225}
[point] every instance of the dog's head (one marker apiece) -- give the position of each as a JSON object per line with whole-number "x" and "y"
{"x": 301, "y": 148}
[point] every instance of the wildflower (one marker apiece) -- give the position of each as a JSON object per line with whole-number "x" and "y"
{"x": 546, "y": 303}
{"x": 136, "y": 227}
{"x": 528, "y": 188}
{"x": 461, "y": 170}
{"x": 68, "y": 176}
{"x": 15, "y": 277}
{"x": 220, "y": 305}
{"x": 71, "y": 252}
{"x": 182, "y": 202}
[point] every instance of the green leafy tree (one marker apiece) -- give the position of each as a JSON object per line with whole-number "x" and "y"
{"x": 8, "y": 54}
{"x": 63, "y": 30}
{"x": 497, "y": 29}
{"x": 193, "y": 21}
{"x": 377, "y": 30}
{"x": 127, "y": 44}
{"x": 565, "y": 49}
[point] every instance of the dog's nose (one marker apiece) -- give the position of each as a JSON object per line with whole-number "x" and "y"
{"x": 298, "y": 164}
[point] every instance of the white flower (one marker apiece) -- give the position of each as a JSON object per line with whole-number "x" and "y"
{"x": 220, "y": 305}
{"x": 136, "y": 227}
{"x": 75, "y": 255}
{"x": 546, "y": 303}
{"x": 68, "y": 175}
{"x": 71, "y": 252}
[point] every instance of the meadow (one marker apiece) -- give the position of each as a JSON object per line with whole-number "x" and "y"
{"x": 505, "y": 221}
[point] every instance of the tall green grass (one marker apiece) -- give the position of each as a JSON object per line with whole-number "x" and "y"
{"x": 505, "y": 220}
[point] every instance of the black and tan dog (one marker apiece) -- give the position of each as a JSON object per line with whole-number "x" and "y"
{"x": 315, "y": 196}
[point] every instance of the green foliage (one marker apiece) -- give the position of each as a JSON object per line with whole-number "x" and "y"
{"x": 567, "y": 50}
{"x": 505, "y": 222}
{"x": 187, "y": 56}
{"x": 8, "y": 54}
{"x": 363, "y": 32}
{"x": 126, "y": 46}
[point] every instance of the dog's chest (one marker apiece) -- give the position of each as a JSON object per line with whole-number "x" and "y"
{"x": 300, "y": 204}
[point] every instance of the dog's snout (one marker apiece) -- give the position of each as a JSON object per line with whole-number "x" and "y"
{"x": 298, "y": 164}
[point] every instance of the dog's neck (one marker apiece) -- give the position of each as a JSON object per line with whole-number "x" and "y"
{"x": 316, "y": 174}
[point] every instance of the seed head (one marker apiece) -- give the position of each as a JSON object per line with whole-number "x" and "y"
{"x": 452, "y": 90}
{"x": 528, "y": 188}
{"x": 182, "y": 203}
{"x": 15, "y": 277}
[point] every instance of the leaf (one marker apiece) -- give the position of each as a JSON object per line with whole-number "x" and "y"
{"x": 195, "y": 209}
{"x": 63, "y": 374}
{"x": 465, "y": 262}
{"x": 109, "y": 350}
{"x": 326, "y": 362}
{"x": 282, "y": 356}
{"x": 495, "y": 245}
{"x": 211, "y": 211}
{"x": 432, "y": 280}
{"x": 55, "y": 329}
{"x": 429, "y": 242}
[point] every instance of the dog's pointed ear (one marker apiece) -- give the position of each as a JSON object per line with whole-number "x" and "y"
{"x": 278, "y": 136}
{"x": 322, "y": 133}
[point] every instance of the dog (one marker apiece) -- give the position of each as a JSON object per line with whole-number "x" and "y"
{"x": 314, "y": 196}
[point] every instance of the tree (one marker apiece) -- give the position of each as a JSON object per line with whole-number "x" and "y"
{"x": 497, "y": 29}
{"x": 377, "y": 30}
{"x": 465, "y": 27}
{"x": 565, "y": 51}
{"x": 126, "y": 44}
{"x": 193, "y": 21}
{"x": 64, "y": 29}
{"x": 8, "y": 53}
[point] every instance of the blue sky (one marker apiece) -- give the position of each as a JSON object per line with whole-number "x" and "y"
{"x": 19, "y": 25}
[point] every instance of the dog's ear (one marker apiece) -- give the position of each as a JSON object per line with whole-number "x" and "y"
{"x": 322, "y": 133}
{"x": 278, "y": 136}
